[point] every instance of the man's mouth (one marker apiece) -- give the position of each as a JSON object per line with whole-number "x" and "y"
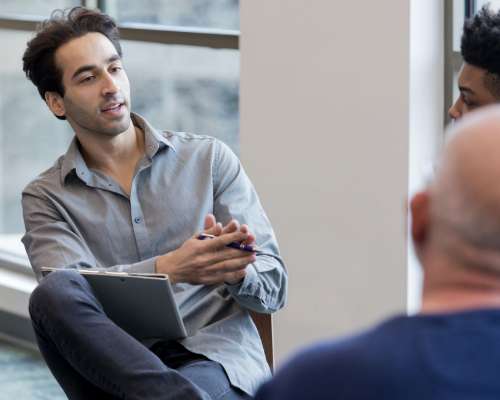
{"x": 112, "y": 107}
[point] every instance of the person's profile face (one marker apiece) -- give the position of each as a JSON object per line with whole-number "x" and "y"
{"x": 473, "y": 92}
{"x": 96, "y": 88}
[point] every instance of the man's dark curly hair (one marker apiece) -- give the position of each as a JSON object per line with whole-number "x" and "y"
{"x": 480, "y": 46}
{"x": 62, "y": 26}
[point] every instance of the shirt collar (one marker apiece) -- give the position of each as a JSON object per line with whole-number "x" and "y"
{"x": 153, "y": 139}
{"x": 73, "y": 159}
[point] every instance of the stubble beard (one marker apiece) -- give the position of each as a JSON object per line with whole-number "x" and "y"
{"x": 81, "y": 120}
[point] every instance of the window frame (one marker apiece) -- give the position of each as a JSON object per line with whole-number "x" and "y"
{"x": 150, "y": 33}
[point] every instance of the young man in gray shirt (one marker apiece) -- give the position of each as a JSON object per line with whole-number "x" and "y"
{"x": 127, "y": 197}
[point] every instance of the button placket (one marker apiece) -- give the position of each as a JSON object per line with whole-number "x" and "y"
{"x": 139, "y": 227}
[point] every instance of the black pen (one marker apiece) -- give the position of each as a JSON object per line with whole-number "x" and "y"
{"x": 234, "y": 245}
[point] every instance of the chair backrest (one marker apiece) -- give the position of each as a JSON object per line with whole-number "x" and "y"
{"x": 264, "y": 324}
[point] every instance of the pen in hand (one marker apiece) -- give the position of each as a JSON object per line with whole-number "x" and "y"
{"x": 234, "y": 245}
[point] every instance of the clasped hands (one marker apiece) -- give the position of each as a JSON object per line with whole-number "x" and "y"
{"x": 210, "y": 262}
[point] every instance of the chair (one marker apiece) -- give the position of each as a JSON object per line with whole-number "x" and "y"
{"x": 264, "y": 324}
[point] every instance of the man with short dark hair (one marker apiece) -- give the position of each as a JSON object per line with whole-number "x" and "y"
{"x": 127, "y": 197}
{"x": 451, "y": 349}
{"x": 479, "y": 78}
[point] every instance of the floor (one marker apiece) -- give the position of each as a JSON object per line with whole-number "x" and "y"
{"x": 24, "y": 375}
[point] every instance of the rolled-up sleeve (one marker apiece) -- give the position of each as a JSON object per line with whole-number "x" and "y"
{"x": 264, "y": 287}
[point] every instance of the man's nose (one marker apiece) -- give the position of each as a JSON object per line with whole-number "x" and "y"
{"x": 455, "y": 111}
{"x": 110, "y": 85}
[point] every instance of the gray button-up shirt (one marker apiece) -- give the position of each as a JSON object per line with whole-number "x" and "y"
{"x": 76, "y": 217}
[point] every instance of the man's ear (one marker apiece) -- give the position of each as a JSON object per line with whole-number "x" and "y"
{"x": 420, "y": 218}
{"x": 55, "y": 103}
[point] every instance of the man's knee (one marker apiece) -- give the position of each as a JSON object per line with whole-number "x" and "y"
{"x": 57, "y": 290}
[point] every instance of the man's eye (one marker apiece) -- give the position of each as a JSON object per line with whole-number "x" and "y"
{"x": 468, "y": 102}
{"x": 87, "y": 79}
{"x": 116, "y": 69}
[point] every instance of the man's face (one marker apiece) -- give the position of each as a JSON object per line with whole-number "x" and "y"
{"x": 473, "y": 92}
{"x": 96, "y": 88}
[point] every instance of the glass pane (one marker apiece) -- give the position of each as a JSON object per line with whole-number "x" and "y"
{"x": 458, "y": 23}
{"x": 35, "y": 7}
{"x": 222, "y": 14}
{"x": 31, "y": 138}
{"x": 183, "y": 88}
{"x": 494, "y": 4}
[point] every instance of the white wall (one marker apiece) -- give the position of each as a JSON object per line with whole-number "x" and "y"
{"x": 324, "y": 137}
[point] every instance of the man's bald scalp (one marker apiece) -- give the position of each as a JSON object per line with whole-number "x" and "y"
{"x": 465, "y": 196}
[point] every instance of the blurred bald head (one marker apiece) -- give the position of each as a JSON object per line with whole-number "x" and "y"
{"x": 464, "y": 199}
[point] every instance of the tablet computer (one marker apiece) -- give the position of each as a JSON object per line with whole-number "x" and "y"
{"x": 141, "y": 304}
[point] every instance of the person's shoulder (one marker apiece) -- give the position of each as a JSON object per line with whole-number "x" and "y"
{"x": 188, "y": 139}
{"x": 320, "y": 368}
{"x": 310, "y": 373}
{"x": 190, "y": 146}
{"x": 360, "y": 344}
{"x": 47, "y": 181}
{"x": 180, "y": 140}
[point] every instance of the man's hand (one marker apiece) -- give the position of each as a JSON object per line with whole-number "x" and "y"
{"x": 213, "y": 228}
{"x": 216, "y": 229}
{"x": 210, "y": 261}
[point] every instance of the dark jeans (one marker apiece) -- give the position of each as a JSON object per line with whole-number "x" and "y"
{"x": 92, "y": 358}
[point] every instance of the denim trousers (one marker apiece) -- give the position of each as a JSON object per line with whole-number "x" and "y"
{"x": 92, "y": 358}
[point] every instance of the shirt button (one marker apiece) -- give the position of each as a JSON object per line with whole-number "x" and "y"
{"x": 137, "y": 220}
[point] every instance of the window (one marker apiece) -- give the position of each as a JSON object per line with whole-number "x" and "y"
{"x": 178, "y": 89}
{"x": 183, "y": 63}
{"x": 34, "y": 7}
{"x": 219, "y": 14}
